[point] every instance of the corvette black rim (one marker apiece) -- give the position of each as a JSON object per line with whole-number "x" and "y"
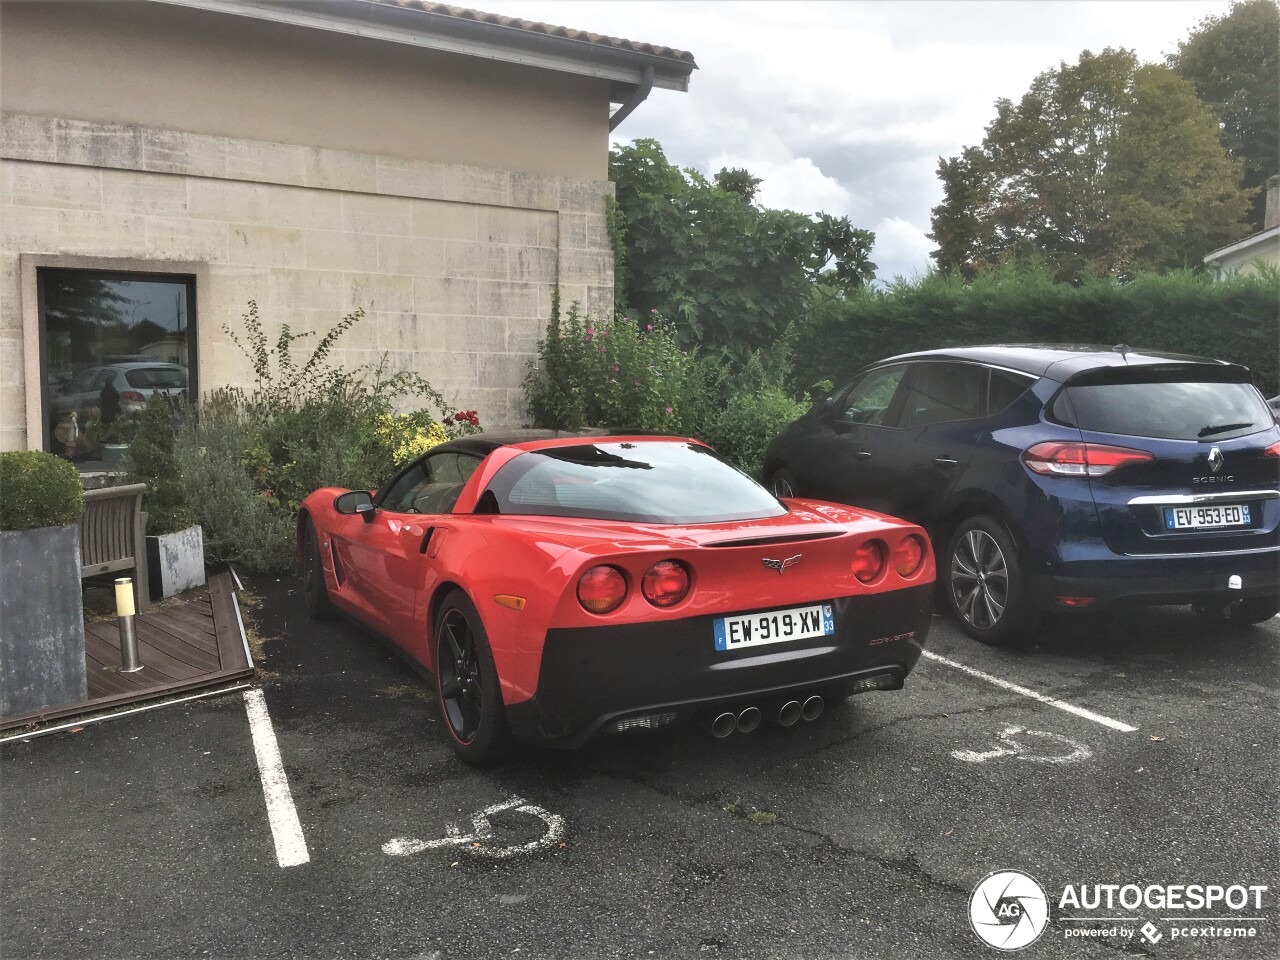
{"x": 458, "y": 667}
{"x": 979, "y": 580}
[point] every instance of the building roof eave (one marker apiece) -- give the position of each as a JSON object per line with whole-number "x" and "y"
{"x": 1241, "y": 246}
{"x": 454, "y": 30}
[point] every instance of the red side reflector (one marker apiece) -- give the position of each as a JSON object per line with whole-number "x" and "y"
{"x": 602, "y": 589}
{"x": 666, "y": 583}
{"x": 1074, "y": 601}
{"x": 1054, "y": 458}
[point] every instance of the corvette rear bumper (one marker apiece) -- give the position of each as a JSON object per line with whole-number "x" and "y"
{"x": 593, "y": 677}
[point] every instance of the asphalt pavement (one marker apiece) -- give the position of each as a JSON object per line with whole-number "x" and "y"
{"x": 1134, "y": 750}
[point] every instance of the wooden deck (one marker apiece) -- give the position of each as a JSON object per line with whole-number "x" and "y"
{"x": 190, "y": 641}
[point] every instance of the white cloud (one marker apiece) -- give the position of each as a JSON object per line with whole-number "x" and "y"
{"x": 901, "y": 249}
{"x": 853, "y": 103}
{"x": 794, "y": 183}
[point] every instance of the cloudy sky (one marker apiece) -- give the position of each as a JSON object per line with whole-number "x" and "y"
{"x": 845, "y": 107}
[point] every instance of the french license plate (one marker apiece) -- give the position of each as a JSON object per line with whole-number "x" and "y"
{"x": 1194, "y": 518}
{"x": 776, "y": 626}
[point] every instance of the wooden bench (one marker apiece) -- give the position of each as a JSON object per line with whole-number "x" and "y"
{"x": 113, "y": 536}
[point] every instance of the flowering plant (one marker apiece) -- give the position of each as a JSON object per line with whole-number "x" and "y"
{"x": 607, "y": 371}
{"x": 462, "y": 423}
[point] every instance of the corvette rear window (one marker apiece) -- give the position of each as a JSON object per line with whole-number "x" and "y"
{"x": 654, "y": 482}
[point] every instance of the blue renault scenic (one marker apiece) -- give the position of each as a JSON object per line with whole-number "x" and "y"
{"x": 1058, "y": 477}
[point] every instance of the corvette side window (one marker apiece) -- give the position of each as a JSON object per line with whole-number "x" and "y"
{"x": 399, "y": 499}
{"x": 433, "y": 486}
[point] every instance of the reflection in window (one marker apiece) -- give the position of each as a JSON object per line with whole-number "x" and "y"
{"x": 111, "y": 340}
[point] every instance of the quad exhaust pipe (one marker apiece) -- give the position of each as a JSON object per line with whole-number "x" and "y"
{"x": 748, "y": 719}
{"x": 744, "y": 722}
{"x": 723, "y": 725}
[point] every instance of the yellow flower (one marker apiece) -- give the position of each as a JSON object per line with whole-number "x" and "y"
{"x": 407, "y": 438}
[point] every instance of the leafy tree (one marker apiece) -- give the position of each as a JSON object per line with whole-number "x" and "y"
{"x": 1105, "y": 167}
{"x": 739, "y": 181}
{"x": 1234, "y": 62}
{"x": 733, "y": 276}
{"x": 843, "y": 248}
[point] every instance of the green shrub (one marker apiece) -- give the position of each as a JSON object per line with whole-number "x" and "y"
{"x": 242, "y": 523}
{"x": 1182, "y": 312}
{"x": 156, "y": 465}
{"x": 627, "y": 373}
{"x": 249, "y": 457}
{"x": 619, "y": 371}
{"x": 38, "y": 490}
{"x": 743, "y": 410}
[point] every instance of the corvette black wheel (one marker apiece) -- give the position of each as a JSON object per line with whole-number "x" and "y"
{"x": 985, "y": 586}
{"x": 313, "y": 586}
{"x": 467, "y": 684}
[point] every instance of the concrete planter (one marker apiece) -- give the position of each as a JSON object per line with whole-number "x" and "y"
{"x": 41, "y": 620}
{"x": 176, "y": 561}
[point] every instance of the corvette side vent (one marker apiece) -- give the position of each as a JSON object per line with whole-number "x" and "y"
{"x": 339, "y": 574}
{"x": 765, "y": 541}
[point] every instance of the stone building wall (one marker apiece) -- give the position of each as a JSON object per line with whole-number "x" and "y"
{"x": 454, "y": 265}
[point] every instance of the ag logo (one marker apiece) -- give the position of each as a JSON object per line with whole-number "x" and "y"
{"x": 1008, "y": 910}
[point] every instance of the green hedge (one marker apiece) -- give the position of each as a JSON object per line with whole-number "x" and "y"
{"x": 1237, "y": 320}
{"x": 38, "y": 490}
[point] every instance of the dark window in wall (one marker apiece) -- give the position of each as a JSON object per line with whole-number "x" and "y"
{"x": 108, "y": 342}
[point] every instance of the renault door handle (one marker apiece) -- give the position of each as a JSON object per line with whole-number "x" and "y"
{"x": 946, "y": 462}
{"x": 864, "y": 454}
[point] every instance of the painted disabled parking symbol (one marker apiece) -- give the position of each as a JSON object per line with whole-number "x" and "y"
{"x": 478, "y": 842}
{"x": 1031, "y": 746}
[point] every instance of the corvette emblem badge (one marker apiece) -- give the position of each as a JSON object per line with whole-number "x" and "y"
{"x": 781, "y": 565}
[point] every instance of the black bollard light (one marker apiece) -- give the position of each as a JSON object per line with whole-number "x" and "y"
{"x": 128, "y": 635}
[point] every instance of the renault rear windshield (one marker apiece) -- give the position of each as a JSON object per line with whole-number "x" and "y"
{"x": 1167, "y": 402}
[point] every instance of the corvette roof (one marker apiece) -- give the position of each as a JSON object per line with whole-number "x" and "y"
{"x": 483, "y": 444}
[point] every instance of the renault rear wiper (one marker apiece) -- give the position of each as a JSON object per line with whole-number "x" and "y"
{"x": 1222, "y": 428}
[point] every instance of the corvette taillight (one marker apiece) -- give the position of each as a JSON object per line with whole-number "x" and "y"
{"x": 868, "y": 561}
{"x": 908, "y": 556}
{"x": 602, "y": 589}
{"x": 666, "y": 583}
{"x": 1055, "y": 458}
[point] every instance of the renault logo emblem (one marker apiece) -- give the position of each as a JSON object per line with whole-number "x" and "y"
{"x": 1215, "y": 460}
{"x": 782, "y": 565}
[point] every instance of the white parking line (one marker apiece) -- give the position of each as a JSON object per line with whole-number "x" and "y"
{"x": 1035, "y": 695}
{"x": 286, "y": 830}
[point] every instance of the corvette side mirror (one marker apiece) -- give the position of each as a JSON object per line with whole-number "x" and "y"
{"x": 353, "y": 502}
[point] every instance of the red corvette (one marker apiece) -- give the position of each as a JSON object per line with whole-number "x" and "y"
{"x": 559, "y": 589}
